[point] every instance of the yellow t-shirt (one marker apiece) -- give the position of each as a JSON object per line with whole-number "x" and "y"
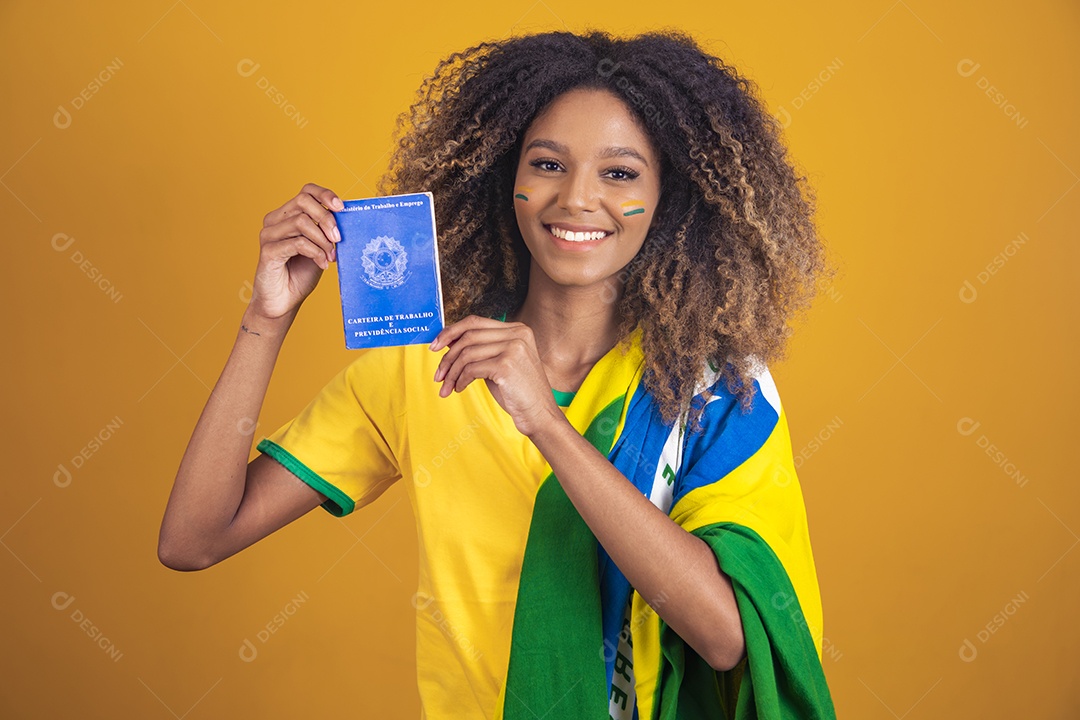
{"x": 472, "y": 479}
{"x": 520, "y": 613}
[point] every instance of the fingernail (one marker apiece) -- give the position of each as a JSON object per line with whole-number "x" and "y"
{"x": 434, "y": 344}
{"x": 338, "y": 205}
{"x": 337, "y": 233}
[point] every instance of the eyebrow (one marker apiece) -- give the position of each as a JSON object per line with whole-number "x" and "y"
{"x": 608, "y": 152}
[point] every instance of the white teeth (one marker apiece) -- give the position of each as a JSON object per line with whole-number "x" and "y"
{"x": 576, "y": 236}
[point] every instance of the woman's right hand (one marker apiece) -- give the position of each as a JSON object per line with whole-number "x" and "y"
{"x": 296, "y": 244}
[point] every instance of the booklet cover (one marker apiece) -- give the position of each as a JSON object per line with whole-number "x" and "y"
{"x": 388, "y": 271}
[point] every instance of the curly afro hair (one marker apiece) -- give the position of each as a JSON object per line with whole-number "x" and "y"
{"x": 732, "y": 253}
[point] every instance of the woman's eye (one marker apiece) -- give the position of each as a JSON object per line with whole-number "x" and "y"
{"x": 539, "y": 163}
{"x": 626, "y": 173}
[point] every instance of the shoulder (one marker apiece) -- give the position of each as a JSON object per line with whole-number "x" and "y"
{"x": 728, "y": 429}
{"x": 712, "y": 388}
{"x": 733, "y": 441}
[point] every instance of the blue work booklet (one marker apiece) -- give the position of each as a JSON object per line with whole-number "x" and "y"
{"x": 388, "y": 271}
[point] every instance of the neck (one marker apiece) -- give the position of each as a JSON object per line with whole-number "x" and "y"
{"x": 573, "y": 326}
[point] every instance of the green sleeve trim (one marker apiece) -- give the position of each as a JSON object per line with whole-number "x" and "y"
{"x": 337, "y": 502}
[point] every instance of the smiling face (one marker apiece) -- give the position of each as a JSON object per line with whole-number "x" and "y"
{"x": 587, "y": 185}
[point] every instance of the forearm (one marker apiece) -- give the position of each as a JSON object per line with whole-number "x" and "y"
{"x": 210, "y": 481}
{"x": 674, "y": 571}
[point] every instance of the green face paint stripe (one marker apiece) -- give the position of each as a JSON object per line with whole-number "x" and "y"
{"x": 558, "y": 629}
{"x": 519, "y": 196}
{"x": 634, "y": 212}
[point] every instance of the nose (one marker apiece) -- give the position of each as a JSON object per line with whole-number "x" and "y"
{"x": 579, "y": 192}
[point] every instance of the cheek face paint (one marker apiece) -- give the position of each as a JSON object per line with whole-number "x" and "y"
{"x": 632, "y": 207}
{"x": 522, "y": 193}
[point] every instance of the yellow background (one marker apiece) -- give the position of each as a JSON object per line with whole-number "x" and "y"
{"x": 162, "y": 178}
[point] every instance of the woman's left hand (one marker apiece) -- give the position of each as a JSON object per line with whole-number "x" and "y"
{"x": 503, "y": 354}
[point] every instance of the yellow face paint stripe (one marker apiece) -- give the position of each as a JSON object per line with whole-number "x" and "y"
{"x": 632, "y": 207}
{"x": 520, "y": 193}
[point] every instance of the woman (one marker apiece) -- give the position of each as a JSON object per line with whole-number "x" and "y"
{"x": 610, "y": 521}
